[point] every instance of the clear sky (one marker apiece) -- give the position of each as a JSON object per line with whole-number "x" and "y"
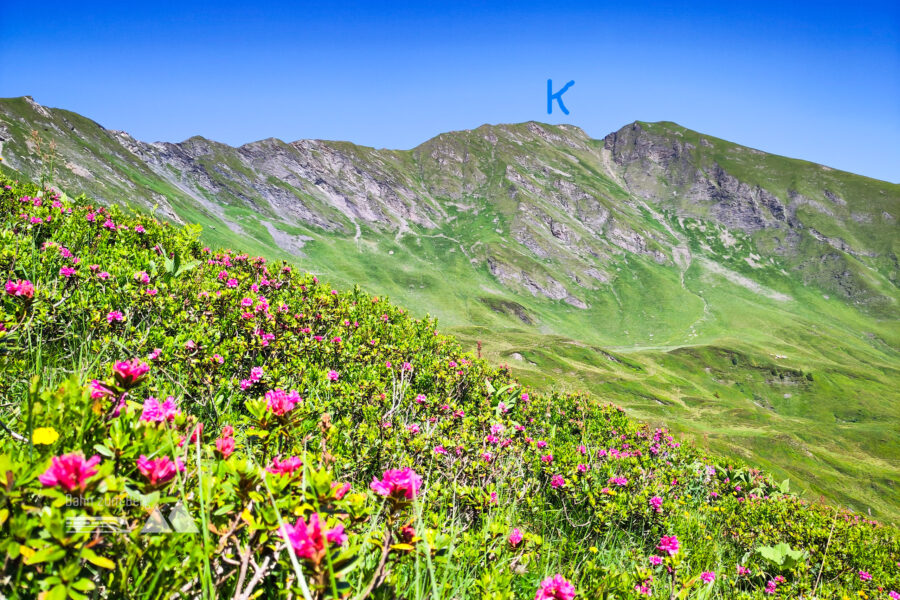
{"x": 819, "y": 81}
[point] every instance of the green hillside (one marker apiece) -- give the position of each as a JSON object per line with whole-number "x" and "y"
{"x": 180, "y": 421}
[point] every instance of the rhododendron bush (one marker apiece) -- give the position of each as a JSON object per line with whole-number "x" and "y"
{"x": 184, "y": 422}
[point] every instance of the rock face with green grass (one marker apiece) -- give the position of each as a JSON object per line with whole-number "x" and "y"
{"x": 746, "y": 298}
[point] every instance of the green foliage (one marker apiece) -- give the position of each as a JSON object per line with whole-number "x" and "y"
{"x": 272, "y": 402}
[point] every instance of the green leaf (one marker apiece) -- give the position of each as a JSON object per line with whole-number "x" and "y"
{"x": 95, "y": 559}
{"x": 48, "y": 554}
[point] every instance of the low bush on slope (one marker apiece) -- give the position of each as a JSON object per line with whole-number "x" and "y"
{"x": 183, "y": 423}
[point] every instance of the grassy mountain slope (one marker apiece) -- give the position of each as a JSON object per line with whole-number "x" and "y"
{"x": 327, "y": 444}
{"x": 746, "y": 298}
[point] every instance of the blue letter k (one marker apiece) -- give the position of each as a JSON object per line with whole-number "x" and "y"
{"x": 557, "y": 96}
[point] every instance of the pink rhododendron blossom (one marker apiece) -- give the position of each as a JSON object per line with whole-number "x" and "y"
{"x": 668, "y": 544}
{"x": 582, "y": 468}
{"x": 98, "y": 390}
{"x": 225, "y": 446}
{"x": 742, "y": 570}
{"x": 308, "y": 539}
{"x": 159, "y": 470}
{"x": 557, "y": 481}
{"x": 286, "y": 467}
{"x": 333, "y": 375}
{"x": 340, "y": 489}
{"x": 114, "y": 316}
{"x": 20, "y": 289}
{"x": 656, "y": 560}
{"x": 555, "y": 588}
{"x": 541, "y": 444}
{"x": 401, "y": 484}
{"x": 865, "y": 576}
{"x": 129, "y": 373}
{"x": 656, "y": 503}
{"x": 155, "y": 411}
{"x": 70, "y": 471}
{"x": 515, "y": 537}
{"x": 278, "y": 402}
{"x": 707, "y": 576}
{"x": 440, "y": 450}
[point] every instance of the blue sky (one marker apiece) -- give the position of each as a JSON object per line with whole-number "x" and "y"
{"x": 819, "y": 81}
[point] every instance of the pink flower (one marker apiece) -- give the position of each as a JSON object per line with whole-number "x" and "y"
{"x": 547, "y": 458}
{"x": 582, "y": 468}
{"x": 555, "y": 588}
{"x": 333, "y": 375}
{"x": 279, "y": 402}
{"x": 70, "y": 471}
{"x": 582, "y": 449}
{"x": 894, "y": 595}
{"x": 402, "y": 484}
{"x": 156, "y": 412}
{"x": 865, "y": 576}
{"x": 656, "y": 503}
{"x": 771, "y": 587}
{"x": 66, "y": 272}
{"x": 287, "y": 467}
{"x": 515, "y": 537}
{"x": 159, "y": 470}
{"x": 707, "y": 576}
{"x": 155, "y": 354}
{"x": 619, "y": 481}
{"x": 406, "y": 367}
{"x": 541, "y": 444}
{"x": 340, "y": 489}
{"x": 114, "y": 315}
{"x": 421, "y": 399}
{"x": 98, "y": 390}
{"x": 307, "y": 538}
{"x": 414, "y": 429}
{"x": 20, "y": 289}
{"x": 525, "y": 397}
{"x": 557, "y": 481}
{"x": 129, "y": 373}
{"x": 225, "y": 446}
{"x": 656, "y": 560}
{"x": 440, "y": 450}
{"x": 668, "y": 544}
